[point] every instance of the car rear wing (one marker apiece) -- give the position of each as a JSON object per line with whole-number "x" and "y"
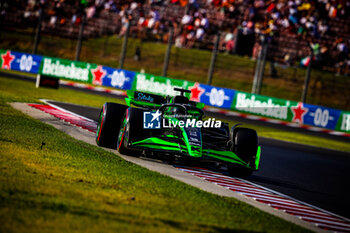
{"x": 142, "y": 99}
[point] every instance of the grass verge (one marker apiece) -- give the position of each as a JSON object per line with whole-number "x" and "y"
{"x": 66, "y": 185}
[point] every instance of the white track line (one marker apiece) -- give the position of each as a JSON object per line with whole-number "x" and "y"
{"x": 65, "y": 110}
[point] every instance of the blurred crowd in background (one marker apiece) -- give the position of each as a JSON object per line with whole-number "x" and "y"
{"x": 291, "y": 27}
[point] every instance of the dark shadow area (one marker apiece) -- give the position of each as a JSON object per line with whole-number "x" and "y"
{"x": 280, "y": 183}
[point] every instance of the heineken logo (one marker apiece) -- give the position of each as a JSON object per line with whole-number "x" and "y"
{"x": 69, "y": 71}
{"x": 196, "y": 92}
{"x": 165, "y": 87}
{"x": 299, "y": 112}
{"x": 345, "y": 122}
{"x": 264, "y": 108}
{"x": 7, "y": 59}
{"x": 97, "y": 75}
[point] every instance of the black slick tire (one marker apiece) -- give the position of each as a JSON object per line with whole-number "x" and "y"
{"x": 109, "y": 124}
{"x": 245, "y": 145}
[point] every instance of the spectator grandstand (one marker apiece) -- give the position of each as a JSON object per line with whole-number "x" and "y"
{"x": 290, "y": 26}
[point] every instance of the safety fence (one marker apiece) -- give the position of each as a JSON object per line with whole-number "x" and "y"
{"x": 269, "y": 107}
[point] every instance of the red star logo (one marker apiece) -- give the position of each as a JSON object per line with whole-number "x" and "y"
{"x": 6, "y": 60}
{"x": 98, "y": 75}
{"x": 299, "y": 111}
{"x": 196, "y": 92}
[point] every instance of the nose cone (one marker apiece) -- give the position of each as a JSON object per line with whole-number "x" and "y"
{"x": 194, "y": 137}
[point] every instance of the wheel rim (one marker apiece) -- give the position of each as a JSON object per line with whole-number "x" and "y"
{"x": 122, "y": 131}
{"x": 99, "y": 126}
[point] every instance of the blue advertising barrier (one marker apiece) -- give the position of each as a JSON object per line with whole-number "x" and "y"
{"x": 117, "y": 78}
{"x": 321, "y": 116}
{"x": 215, "y": 96}
{"x": 26, "y": 62}
{"x": 307, "y": 114}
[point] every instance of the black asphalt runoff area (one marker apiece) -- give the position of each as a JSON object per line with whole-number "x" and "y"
{"x": 317, "y": 176}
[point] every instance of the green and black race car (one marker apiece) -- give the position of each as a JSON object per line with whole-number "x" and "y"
{"x": 175, "y": 127}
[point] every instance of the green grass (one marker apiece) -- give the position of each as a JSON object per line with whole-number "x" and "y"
{"x": 231, "y": 71}
{"x": 22, "y": 91}
{"x": 70, "y": 186}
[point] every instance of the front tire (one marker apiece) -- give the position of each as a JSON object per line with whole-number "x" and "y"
{"x": 109, "y": 124}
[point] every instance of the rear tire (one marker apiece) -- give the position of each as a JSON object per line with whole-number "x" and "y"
{"x": 245, "y": 145}
{"x": 109, "y": 124}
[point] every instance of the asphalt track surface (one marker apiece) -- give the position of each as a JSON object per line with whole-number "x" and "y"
{"x": 316, "y": 176}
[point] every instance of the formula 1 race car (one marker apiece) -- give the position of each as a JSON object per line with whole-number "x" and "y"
{"x": 174, "y": 127}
